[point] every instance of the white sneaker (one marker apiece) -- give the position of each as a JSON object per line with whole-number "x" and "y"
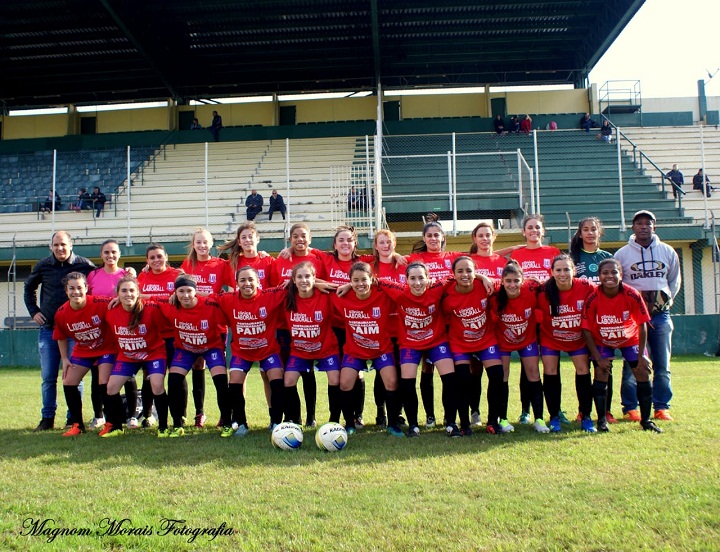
{"x": 133, "y": 423}
{"x": 96, "y": 423}
{"x": 540, "y": 426}
{"x": 475, "y": 418}
{"x": 506, "y": 427}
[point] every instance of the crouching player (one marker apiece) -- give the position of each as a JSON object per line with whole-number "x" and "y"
{"x": 615, "y": 317}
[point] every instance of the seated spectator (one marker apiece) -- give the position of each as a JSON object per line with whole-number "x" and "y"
{"x": 698, "y": 183}
{"x": 586, "y": 123}
{"x": 606, "y": 132}
{"x": 195, "y": 125}
{"x": 676, "y": 177}
{"x": 98, "y": 201}
{"x": 499, "y": 124}
{"x": 276, "y": 204}
{"x": 353, "y": 201}
{"x": 83, "y": 200}
{"x": 526, "y": 125}
{"x": 48, "y": 205}
{"x": 254, "y": 204}
{"x": 514, "y": 125}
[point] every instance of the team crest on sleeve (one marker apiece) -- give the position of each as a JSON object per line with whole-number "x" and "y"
{"x": 580, "y": 304}
{"x": 212, "y": 278}
{"x": 376, "y": 312}
{"x": 204, "y": 325}
{"x": 547, "y": 263}
{"x": 261, "y": 273}
{"x": 96, "y": 319}
{"x": 171, "y": 286}
{"x": 142, "y": 329}
{"x": 448, "y": 264}
{"x": 431, "y": 309}
{"x": 626, "y": 315}
{"x": 528, "y": 313}
{"x": 402, "y": 279}
{"x": 483, "y": 303}
{"x": 262, "y": 312}
{"x": 318, "y": 316}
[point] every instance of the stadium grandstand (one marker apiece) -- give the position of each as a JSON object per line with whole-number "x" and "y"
{"x": 322, "y": 100}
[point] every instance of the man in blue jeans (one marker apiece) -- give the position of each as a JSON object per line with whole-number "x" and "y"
{"x": 48, "y": 274}
{"x": 653, "y": 268}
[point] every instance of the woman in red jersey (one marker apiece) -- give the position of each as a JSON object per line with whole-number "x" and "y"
{"x": 465, "y": 306}
{"x": 615, "y": 317}
{"x": 513, "y": 308}
{"x": 82, "y": 319}
{"x": 366, "y": 314}
{"x": 198, "y": 323}
{"x": 560, "y": 304}
{"x": 423, "y": 332}
{"x": 535, "y": 260}
{"x": 309, "y": 319}
{"x": 252, "y": 314}
{"x": 212, "y": 274}
{"x": 137, "y": 329}
{"x": 158, "y": 281}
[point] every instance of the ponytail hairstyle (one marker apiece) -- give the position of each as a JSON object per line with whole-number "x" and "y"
{"x": 551, "y": 290}
{"x": 392, "y": 238}
{"x": 192, "y": 254}
{"x": 233, "y": 245}
{"x": 421, "y": 246}
{"x": 291, "y": 301}
{"x": 353, "y": 235}
{"x": 512, "y": 267}
{"x": 576, "y": 242}
{"x": 482, "y": 224}
{"x": 138, "y": 307}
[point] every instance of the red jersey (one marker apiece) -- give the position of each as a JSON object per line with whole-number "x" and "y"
{"x": 282, "y": 268}
{"x": 536, "y": 263}
{"x": 491, "y": 266}
{"x": 210, "y": 275}
{"x": 337, "y": 271}
{"x": 143, "y": 343}
{"x": 422, "y": 324}
{"x": 515, "y": 326}
{"x": 439, "y": 265}
{"x": 387, "y": 272}
{"x": 366, "y": 323}
{"x": 263, "y": 266}
{"x": 253, "y": 322}
{"x": 86, "y": 327}
{"x": 469, "y": 326}
{"x": 615, "y": 321}
{"x": 197, "y": 329}
{"x": 310, "y": 327}
{"x": 563, "y": 332}
{"x": 160, "y": 285}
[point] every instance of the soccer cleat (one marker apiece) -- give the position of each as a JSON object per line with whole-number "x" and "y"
{"x": 113, "y": 433}
{"x": 395, "y": 431}
{"x": 200, "y": 420}
{"x": 381, "y": 421}
{"x": 632, "y": 415}
{"x": 540, "y": 426}
{"x": 524, "y": 418}
{"x": 176, "y": 432}
{"x": 359, "y": 422}
{"x": 587, "y": 425}
{"x": 413, "y": 431}
{"x": 241, "y": 431}
{"x": 107, "y": 428}
{"x": 74, "y": 431}
{"x": 350, "y": 430}
{"x": 563, "y": 418}
{"x": 663, "y": 414}
{"x": 227, "y": 431}
{"x": 273, "y": 425}
{"x": 133, "y": 423}
{"x": 163, "y": 433}
{"x": 96, "y": 423}
{"x": 45, "y": 424}
{"x": 453, "y": 431}
{"x": 430, "y": 422}
{"x": 310, "y": 424}
{"x": 475, "y": 418}
{"x": 506, "y": 427}
{"x": 610, "y": 418}
{"x": 466, "y": 431}
{"x": 148, "y": 422}
{"x": 555, "y": 426}
{"x": 649, "y": 425}
{"x": 493, "y": 428}
{"x": 602, "y": 426}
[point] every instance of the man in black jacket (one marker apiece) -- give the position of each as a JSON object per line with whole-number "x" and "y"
{"x": 48, "y": 275}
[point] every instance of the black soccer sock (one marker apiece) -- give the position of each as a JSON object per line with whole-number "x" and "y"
{"x": 198, "y": 392}
{"x": 609, "y": 393}
{"x": 494, "y": 392}
{"x": 335, "y": 403}
{"x": 359, "y": 397}
{"x": 644, "y": 396}
{"x": 161, "y": 405}
{"x": 600, "y": 395}
{"x": 96, "y": 396}
{"x": 103, "y": 396}
{"x": 292, "y": 405}
{"x": 175, "y": 398}
{"x": 277, "y": 392}
{"x": 393, "y": 408}
{"x": 584, "y": 390}
{"x": 427, "y": 392}
{"x": 535, "y": 389}
{"x": 409, "y": 396}
{"x": 347, "y": 400}
{"x": 223, "y": 398}
{"x": 380, "y": 396}
{"x": 131, "y": 397}
{"x": 505, "y": 397}
{"x": 147, "y": 397}
{"x": 449, "y": 397}
{"x": 74, "y": 404}
{"x": 186, "y": 394}
{"x": 237, "y": 403}
{"x": 551, "y": 386}
{"x": 114, "y": 411}
{"x": 524, "y": 391}
{"x": 464, "y": 390}
{"x": 310, "y": 393}
{"x": 475, "y": 387}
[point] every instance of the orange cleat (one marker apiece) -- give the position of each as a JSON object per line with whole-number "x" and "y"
{"x": 663, "y": 414}
{"x": 107, "y": 428}
{"x": 74, "y": 431}
{"x": 632, "y": 415}
{"x": 610, "y": 418}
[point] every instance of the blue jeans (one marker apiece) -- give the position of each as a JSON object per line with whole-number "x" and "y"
{"x": 659, "y": 340}
{"x": 50, "y": 364}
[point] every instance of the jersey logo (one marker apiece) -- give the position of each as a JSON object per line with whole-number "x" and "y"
{"x": 528, "y": 313}
{"x": 171, "y": 286}
{"x": 383, "y": 357}
{"x": 331, "y": 361}
{"x": 204, "y": 325}
{"x": 212, "y": 278}
{"x": 580, "y": 304}
{"x": 156, "y": 364}
{"x": 142, "y": 329}
{"x": 626, "y": 315}
{"x": 96, "y": 319}
{"x": 402, "y": 279}
{"x": 491, "y": 349}
{"x": 483, "y": 303}
{"x": 547, "y": 263}
{"x": 431, "y": 309}
{"x": 442, "y": 349}
{"x": 263, "y": 312}
{"x": 261, "y": 273}
{"x": 448, "y": 264}
{"x": 318, "y": 316}
{"x": 376, "y": 312}
{"x": 213, "y": 356}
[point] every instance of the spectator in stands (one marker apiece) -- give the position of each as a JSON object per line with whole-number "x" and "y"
{"x": 514, "y": 125}
{"x": 606, "y": 132}
{"x": 48, "y": 275}
{"x": 254, "y": 204}
{"x": 526, "y": 125}
{"x": 48, "y": 205}
{"x": 195, "y": 125}
{"x": 354, "y": 199}
{"x": 676, "y": 177}
{"x": 83, "y": 200}
{"x": 499, "y": 124}
{"x": 98, "y": 201}
{"x": 586, "y": 122}
{"x": 276, "y": 204}
{"x": 216, "y": 125}
{"x": 698, "y": 183}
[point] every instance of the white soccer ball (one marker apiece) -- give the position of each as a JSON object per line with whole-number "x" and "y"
{"x": 331, "y": 437}
{"x": 287, "y": 436}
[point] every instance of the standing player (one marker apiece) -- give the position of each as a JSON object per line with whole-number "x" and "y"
{"x": 615, "y": 317}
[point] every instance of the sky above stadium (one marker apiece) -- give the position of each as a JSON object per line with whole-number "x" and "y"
{"x": 668, "y": 46}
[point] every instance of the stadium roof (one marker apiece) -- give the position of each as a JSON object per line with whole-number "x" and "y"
{"x": 55, "y": 52}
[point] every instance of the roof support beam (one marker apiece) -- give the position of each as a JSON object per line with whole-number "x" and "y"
{"x": 375, "y": 41}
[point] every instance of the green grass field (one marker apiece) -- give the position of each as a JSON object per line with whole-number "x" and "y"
{"x": 627, "y": 490}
